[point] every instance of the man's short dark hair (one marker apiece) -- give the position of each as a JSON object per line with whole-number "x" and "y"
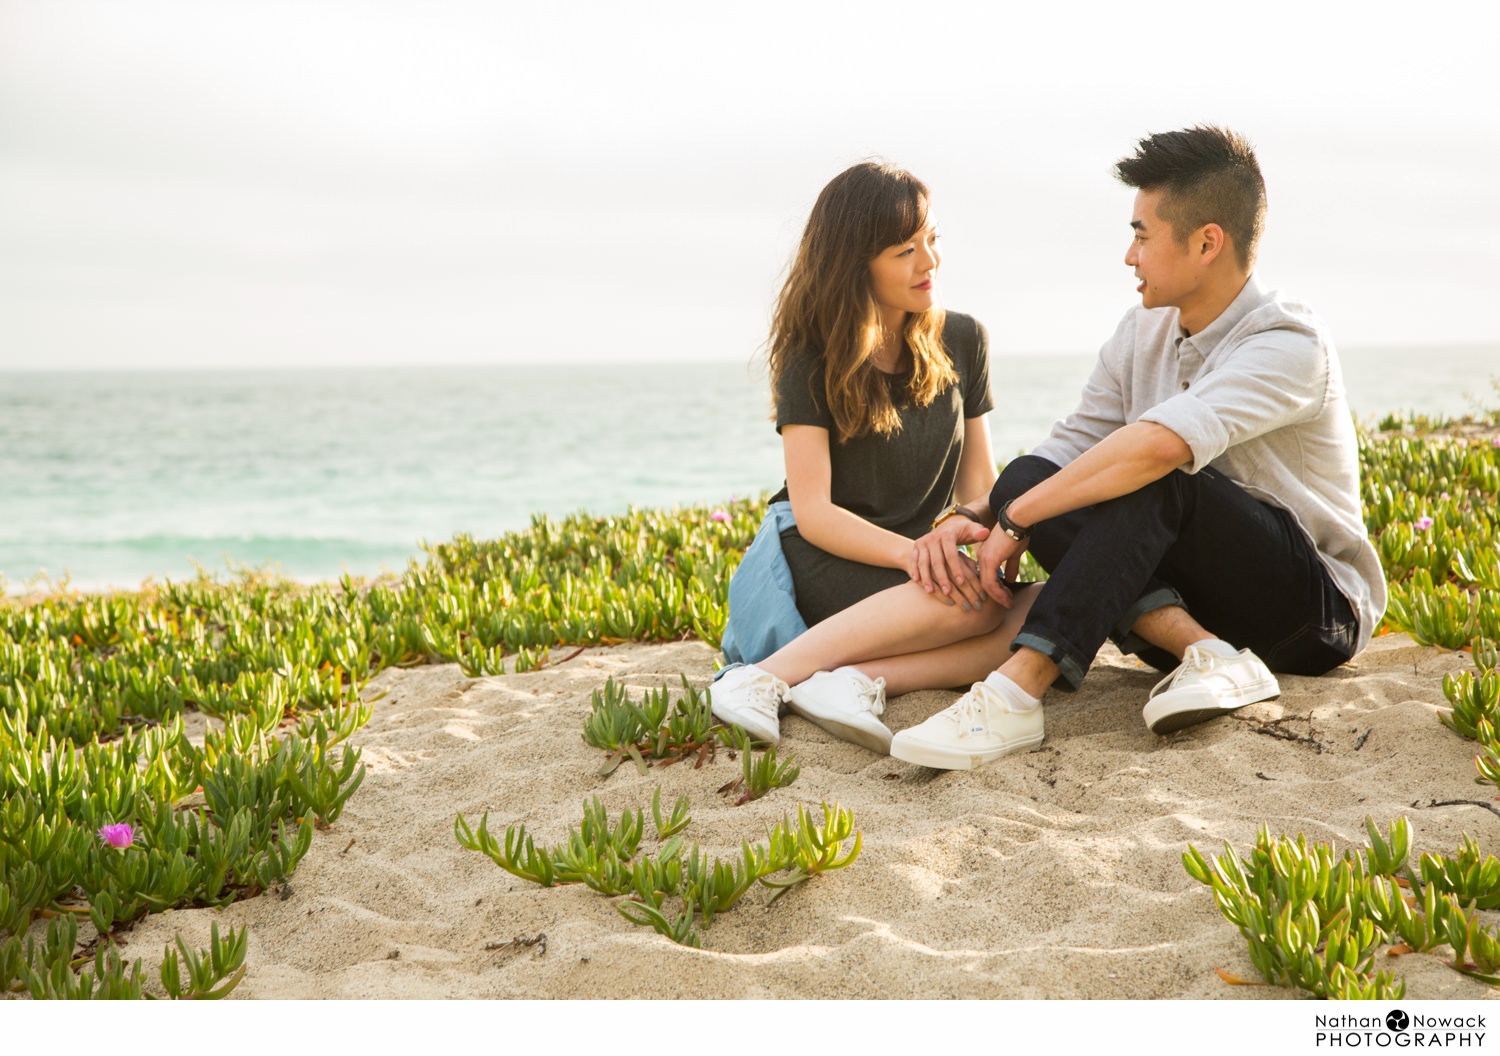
{"x": 1207, "y": 175}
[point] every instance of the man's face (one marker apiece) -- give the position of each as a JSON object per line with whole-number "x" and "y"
{"x": 1166, "y": 268}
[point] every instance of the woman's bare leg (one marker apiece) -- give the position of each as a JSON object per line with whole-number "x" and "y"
{"x": 898, "y": 628}
{"x": 959, "y": 664}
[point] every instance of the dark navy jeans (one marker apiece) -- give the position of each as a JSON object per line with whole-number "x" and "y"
{"x": 1241, "y": 567}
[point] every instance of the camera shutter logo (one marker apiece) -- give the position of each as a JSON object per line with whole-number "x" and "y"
{"x": 1397, "y": 1020}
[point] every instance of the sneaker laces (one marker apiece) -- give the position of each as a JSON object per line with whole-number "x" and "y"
{"x": 763, "y": 696}
{"x": 1195, "y": 661}
{"x": 870, "y": 695}
{"x": 969, "y": 711}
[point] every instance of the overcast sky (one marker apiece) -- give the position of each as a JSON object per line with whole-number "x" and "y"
{"x": 213, "y": 184}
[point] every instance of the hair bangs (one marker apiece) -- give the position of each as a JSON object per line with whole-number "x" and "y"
{"x": 902, "y": 213}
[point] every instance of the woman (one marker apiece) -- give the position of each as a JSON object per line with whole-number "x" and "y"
{"x": 881, "y": 400}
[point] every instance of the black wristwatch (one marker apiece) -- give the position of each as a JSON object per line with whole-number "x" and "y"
{"x": 1010, "y": 527}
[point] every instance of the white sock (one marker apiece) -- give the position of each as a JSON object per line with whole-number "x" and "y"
{"x": 1218, "y": 647}
{"x": 1015, "y": 696}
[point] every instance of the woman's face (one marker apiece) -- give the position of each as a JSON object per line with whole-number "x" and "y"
{"x": 903, "y": 277}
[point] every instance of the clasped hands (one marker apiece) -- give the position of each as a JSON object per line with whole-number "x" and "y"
{"x": 952, "y": 576}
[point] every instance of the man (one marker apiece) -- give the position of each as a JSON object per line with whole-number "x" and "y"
{"x": 1201, "y": 506}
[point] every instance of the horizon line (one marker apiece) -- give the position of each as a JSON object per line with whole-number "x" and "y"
{"x": 310, "y": 368}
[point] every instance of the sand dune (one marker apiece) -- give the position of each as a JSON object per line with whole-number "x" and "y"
{"x": 1049, "y": 874}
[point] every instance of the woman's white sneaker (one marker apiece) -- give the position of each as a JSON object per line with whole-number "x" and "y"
{"x": 846, "y": 703}
{"x": 980, "y": 727}
{"x": 1206, "y": 685}
{"x": 751, "y": 699}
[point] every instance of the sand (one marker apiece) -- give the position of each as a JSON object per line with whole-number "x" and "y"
{"x": 1050, "y": 874}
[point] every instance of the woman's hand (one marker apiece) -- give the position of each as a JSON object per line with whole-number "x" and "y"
{"x": 944, "y": 571}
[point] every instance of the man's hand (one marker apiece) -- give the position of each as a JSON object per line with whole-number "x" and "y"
{"x": 999, "y": 554}
{"x": 942, "y": 569}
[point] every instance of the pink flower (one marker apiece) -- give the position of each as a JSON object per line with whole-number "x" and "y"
{"x": 718, "y": 515}
{"x": 1495, "y": 442}
{"x": 119, "y": 836}
{"x": 1423, "y": 523}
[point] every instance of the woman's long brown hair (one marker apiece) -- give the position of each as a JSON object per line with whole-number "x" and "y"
{"x": 826, "y": 306}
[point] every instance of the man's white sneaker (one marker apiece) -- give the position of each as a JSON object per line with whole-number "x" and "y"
{"x": 979, "y": 728}
{"x": 1206, "y": 686}
{"x": 749, "y": 698}
{"x": 846, "y": 703}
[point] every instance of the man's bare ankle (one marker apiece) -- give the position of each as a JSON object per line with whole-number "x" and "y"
{"x": 1030, "y": 670}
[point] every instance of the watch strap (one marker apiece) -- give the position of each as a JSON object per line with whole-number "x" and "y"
{"x": 956, "y": 510}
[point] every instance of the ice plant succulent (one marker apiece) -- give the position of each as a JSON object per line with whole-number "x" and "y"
{"x": 610, "y": 861}
{"x": 119, "y": 836}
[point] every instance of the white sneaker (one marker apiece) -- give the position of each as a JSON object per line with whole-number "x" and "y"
{"x": 751, "y": 699}
{"x": 979, "y": 728}
{"x": 1207, "y": 685}
{"x": 845, "y": 703}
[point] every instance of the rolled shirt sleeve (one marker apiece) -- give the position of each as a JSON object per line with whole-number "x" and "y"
{"x": 1274, "y": 379}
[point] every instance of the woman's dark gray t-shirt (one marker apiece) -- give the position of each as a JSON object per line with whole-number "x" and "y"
{"x": 899, "y": 482}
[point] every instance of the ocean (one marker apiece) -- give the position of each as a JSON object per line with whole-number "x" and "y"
{"x": 108, "y": 478}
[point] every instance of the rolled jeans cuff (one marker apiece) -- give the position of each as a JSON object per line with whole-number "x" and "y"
{"x": 1125, "y": 639}
{"x": 1070, "y": 672}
